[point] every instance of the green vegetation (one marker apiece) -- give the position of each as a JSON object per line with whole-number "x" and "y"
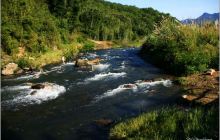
{"x": 169, "y": 124}
{"x": 40, "y": 27}
{"x": 183, "y": 49}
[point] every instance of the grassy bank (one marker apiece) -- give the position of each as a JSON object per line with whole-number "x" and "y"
{"x": 79, "y": 44}
{"x": 182, "y": 49}
{"x": 170, "y": 123}
{"x": 37, "y": 60}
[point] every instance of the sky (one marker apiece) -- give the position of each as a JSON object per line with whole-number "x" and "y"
{"x": 181, "y": 9}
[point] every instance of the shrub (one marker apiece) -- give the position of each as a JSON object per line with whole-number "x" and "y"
{"x": 22, "y": 63}
{"x": 182, "y": 49}
{"x": 88, "y": 46}
{"x": 81, "y": 39}
{"x": 70, "y": 51}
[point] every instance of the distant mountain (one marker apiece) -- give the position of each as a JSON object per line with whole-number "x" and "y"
{"x": 205, "y": 17}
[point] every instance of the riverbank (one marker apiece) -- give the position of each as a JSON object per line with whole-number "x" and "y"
{"x": 200, "y": 88}
{"x": 191, "y": 117}
{"x": 37, "y": 61}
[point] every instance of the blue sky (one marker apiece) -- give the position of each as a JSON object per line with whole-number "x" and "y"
{"x": 181, "y": 9}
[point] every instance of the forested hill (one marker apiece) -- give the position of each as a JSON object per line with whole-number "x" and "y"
{"x": 39, "y": 25}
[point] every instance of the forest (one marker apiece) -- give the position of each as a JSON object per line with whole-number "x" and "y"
{"x": 41, "y": 26}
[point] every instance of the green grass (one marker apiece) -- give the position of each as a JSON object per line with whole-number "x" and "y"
{"x": 181, "y": 81}
{"x": 183, "y": 50}
{"x": 169, "y": 123}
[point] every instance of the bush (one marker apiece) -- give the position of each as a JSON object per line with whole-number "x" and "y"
{"x": 22, "y": 63}
{"x": 88, "y": 46}
{"x": 182, "y": 49}
{"x": 70, "y": 51}
{"x": 81, "y": 39}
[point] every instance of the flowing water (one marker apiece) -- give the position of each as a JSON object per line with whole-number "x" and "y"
{"x": 78, "y": 97}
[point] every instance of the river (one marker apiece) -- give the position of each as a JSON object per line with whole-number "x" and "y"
{"x": 79, "y": 97}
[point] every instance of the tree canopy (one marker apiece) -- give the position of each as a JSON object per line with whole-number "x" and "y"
{"x": 39, "y": 25}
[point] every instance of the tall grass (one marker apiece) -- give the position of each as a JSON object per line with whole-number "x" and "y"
{"x": 183, "y": 49}
{"x": 169, "y": 124}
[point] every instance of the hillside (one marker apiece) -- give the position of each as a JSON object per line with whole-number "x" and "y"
{"x": 40, "y": 26}
{"x": 205, "y": 17}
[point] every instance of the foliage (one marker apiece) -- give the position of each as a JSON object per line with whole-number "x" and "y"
{"x": 28, "y": 24}
{"x": 41, "y": 26}
{"x": 170, "y": 123}
{"x": 183, "y": 49}
{"x": 40, "y": 60}
{"x": 70, "y": 51}
{"x": 23, "y": 62}
{"x": 88, "y": 47}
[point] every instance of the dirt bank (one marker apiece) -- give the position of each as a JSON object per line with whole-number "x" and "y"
{"x": 201, "y": 88}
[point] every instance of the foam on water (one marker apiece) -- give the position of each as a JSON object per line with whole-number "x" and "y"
{"x": 69, "y": 63}
{"x": 137, "y": 87}
{"x": 34, "y": 75}
{"x": 91, "y": 55}
{"x": 25, "y": 77}
{"x": 102, "y": 76}
{"x": 47, "y": 93}
{"x": 101, "y": 67}
{"x": 122, "y": 65}
{"x": 166, "y": 83}
{"x": 117, "y": 90}
{"x": 15, "y": 88}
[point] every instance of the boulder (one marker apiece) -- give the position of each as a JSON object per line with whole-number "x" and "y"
{"x": 63, "y": 59}
{"x": 129, "y": 85}
{"x": 9, "y": 69}
{"x": 95, "y": 61}
{"x": 104, "y": 122}
{"x": 33, "y": 92}
{"x": 84, "y": 63}
{"x": 210, "y": 72}
{"x": 46, "y": 85}
{"x": 19, "y": 71}
{"x": 38, "y": 86}
{"x": 81, "y": 62}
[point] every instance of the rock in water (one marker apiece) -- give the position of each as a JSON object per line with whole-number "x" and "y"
{"x": 33, "y": 92}
{"x": 38, "y": 86}
{"x": 210, "y": 71}
{"x": 81, "y": 62}
{"x": 63, "y": 59}
{"x": 9, "y": 69}
{"x": 129, "y": 86}
{"x": 103, "y": 122}
{"x": 95, "y": 61}
{"x": 87, "y": 64}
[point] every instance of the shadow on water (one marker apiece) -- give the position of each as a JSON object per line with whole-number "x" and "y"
{"x": 9, "y": 134}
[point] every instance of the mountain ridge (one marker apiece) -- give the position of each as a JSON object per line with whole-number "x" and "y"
{"x": 205, "y": 17}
